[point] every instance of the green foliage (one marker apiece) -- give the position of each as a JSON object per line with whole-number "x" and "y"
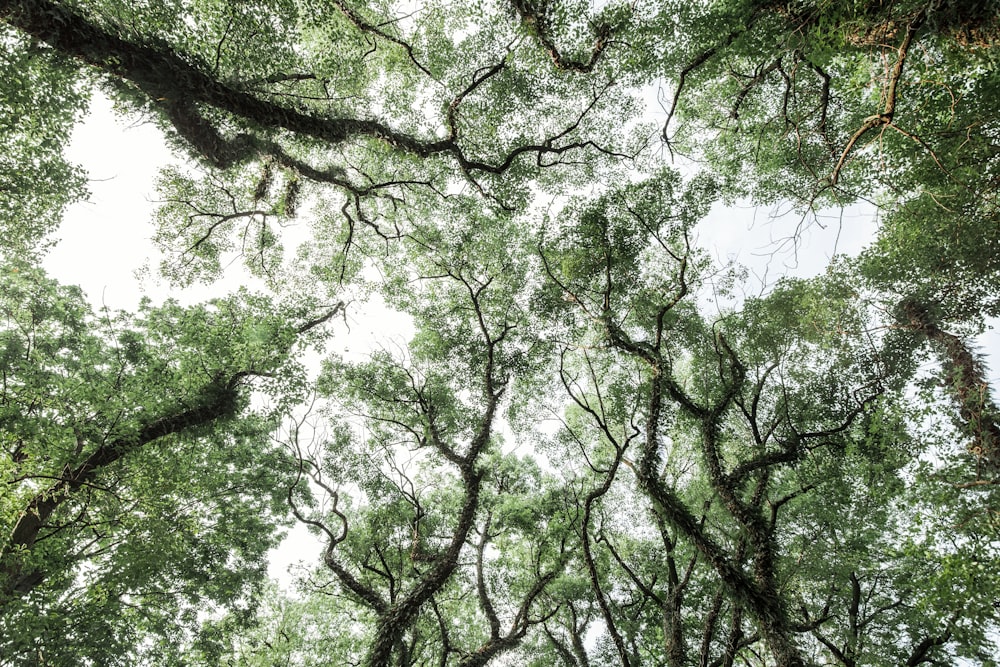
{"x": 156, "y": 493}
{"x": 41, "y": 98}
{"x": 583, "y": 456}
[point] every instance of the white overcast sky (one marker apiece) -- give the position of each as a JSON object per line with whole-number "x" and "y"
{"x": 105, "y": 241}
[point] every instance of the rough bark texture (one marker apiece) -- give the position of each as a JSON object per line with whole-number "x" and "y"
{"x": 965, "y": 377}
{"x": 217, "y": 401}
{"x": 179, "y": 88}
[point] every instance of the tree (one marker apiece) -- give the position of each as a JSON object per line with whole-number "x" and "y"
{"x": 705, "y": 468}
{"x": 448, "y": 486}
{"x": 886, "y": 102}
{"x": 834, "y": 100}
{"x": 741, "y": 446}
{"x": 295, "y": 106}
{"x": 136, "y": 486}
{"x": 598, "y": 448}
{"x": 39, "y": 104}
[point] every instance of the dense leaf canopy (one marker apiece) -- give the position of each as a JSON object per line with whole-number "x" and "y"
{"x": 602, "y": 445}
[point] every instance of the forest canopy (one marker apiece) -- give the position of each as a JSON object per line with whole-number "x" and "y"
{"x": 603, "y": 444}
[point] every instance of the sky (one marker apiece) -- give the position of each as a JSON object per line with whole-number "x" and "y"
{"x": 105, "y": 242}
{"x": 105, "y": 247}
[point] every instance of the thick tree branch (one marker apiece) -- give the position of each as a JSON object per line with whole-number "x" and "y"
{"x": 534, "y": 13}
{"x": 177, "y": 86}
{"x": 215, "y": 401}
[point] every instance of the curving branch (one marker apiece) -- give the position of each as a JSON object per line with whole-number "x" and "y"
{"x": 394, "y": 621}
{"x": 534, "y": 14}
{"x": 966, "y": 377}
{"x": 308, "y": 468}
{"x": 499, "y": 642}
{"x": 178, "y": 86}
{"x": 588, "y": 554}
{"x": 921, "y": 652}
{"x": 885, "y": 118}
{"x": 214, "y": 401}
{"x": 698, "y": 61}
{"x": 364, "y": 26}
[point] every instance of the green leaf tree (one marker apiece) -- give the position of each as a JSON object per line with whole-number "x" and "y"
{"x": 40, "y": 102}
{"x": 595, "y": 450}
{"x": 139, "y": 487}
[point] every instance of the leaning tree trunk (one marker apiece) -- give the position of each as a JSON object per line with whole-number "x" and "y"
{"x": 965, "y": 377}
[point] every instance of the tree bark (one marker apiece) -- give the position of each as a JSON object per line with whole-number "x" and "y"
{"x": 217, "y": 401}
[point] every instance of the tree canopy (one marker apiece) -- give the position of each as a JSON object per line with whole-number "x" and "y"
{"x": 602, "y": 445}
